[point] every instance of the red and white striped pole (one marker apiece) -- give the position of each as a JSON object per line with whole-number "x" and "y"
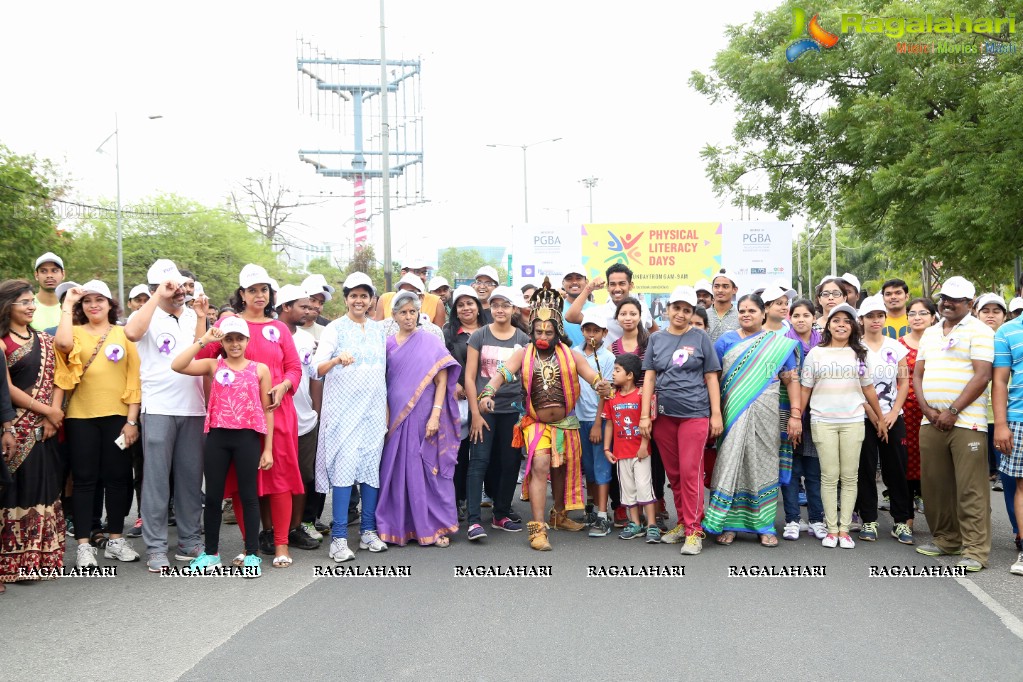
{"x": 361, "y": 226}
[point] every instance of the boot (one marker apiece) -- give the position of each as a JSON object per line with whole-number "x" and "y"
{"x": 538, "y": 536}
{"x": 560, "y": 520}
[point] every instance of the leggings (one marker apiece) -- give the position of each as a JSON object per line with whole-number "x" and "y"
{"x": 339, "y": 505}
{"x": 242, "y": 448}
{"x": 461, "y": 470}
{"x": 95, "y": 458}
{"x": 280, "y": 516}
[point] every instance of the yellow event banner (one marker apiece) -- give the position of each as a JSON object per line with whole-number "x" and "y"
{"x": 661, "y": 256}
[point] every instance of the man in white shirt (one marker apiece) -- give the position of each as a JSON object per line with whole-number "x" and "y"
{"x": 619, "y": 287}
{"x": 319, "y": 292}
{"x": 173, "y": 412}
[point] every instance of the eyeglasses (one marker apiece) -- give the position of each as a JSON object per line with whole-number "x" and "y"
{"x": 832, "y": 294}
{"x": 957, "y": 301}
{"x": 918, "y": 313}
{"x": 502, "y": 305}
{"x": 26, "y": 303}
{"x": 484, "y": 283}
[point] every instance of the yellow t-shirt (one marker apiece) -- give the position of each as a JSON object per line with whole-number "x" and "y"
{"x": 430, "y": 303}
{"x": 896, "y": 327}
{"x": 112, "y": 381}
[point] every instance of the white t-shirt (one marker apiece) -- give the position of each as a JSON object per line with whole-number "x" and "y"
{"x": 164, "y": 391}
{"x": 614, "y": 330}
{"x": 837, "y": 379}
{"x": 305, "y": 344}
{"x": 884, "y": 370}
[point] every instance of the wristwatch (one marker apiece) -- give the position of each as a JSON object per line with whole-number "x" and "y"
{"x": 954, "y": 411}
{"x": 10, "y": 430}
{"x": 131, "y": 423}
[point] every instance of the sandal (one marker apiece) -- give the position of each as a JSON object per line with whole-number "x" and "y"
{"x": 726, "y": 538}
{"x": 768, "y": 540}
{"x": 282, "y": 561}
{"x": 238, "y": 560}
{"x": 442, "y": 541}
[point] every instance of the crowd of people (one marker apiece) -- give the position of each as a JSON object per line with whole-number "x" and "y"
{"x": 418, "y": 409}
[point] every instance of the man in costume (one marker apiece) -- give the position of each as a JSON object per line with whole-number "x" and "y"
{"x": 551, "y": 371}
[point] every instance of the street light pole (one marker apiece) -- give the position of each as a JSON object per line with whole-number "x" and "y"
{"x": 120, "y": 234}
{"x": 525, "y": 173}
{"x": 385, "y": 139}
{"x": 590, "y": 183}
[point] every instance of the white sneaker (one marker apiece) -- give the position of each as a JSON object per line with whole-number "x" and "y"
{"x": 339, "y": 550}
{"x": 791, "y": 531}
{"x": 830, "y": 541}
{"x": 675, "y": 535}
{"x": 86, "y": 556}
{"x": 693, "y": 544}
{"x": 803, "y": 526}
{"x": 846, "y": 542}
{"x": 1017, "y": 568}
{"x": 309, "y": 529}
{"x": 121, "y": 550}
{"x": 371, "y": 541}
{"x": 818, "y": 530}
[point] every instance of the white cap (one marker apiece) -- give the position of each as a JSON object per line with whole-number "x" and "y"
{"x": 775, "y": 291}
{"x": 957, "y": 287}
{"x": 844, "y": 308}
{"x": 704, "y": 285}
{"x": 412, "y": 280}
{"x": 255, "y": 274}
{"x": 851, "y": 279}
{"x": 49, "y": 257}
{"x": 513, "y": 296}
{"x": 136, "y": 290}
{"x": 991, "y": 298}
{"x": 488, "y": 271}
{"x": 577, "y": 270}
{"x": 464, "y": 291}
{"x": 163, "y": 270}
{"x": 594, "y": 318}
{"x": 94, "y": 286}
{"x": 872, "y": 304}
{"x": 723, "y": 272}
{"x": 64, "y": 287}
{"x": 829, "y": 278}
{"x": 437, "y": 283}
{"x": 684, "y": 294}
{"x": 289, "y": 293}
{"x": 416, "y": 263}
{"x": 404, "y": 295}
{"x": 234, "y": 324}
{"x": 359, "y": 279}
{"x": 1015, "y": 304}
{"x": 313, "y": 282}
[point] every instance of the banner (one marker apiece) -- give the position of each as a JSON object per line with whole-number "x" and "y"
{"x": 543, "y": 250}
{"x": 758, "y": 253}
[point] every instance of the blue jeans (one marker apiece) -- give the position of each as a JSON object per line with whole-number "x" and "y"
{"x": 810, "y": 468}
{"x": 339, "y": 507}
{"x": 595, "y": 465}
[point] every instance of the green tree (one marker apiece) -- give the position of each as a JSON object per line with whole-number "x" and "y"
{"x": 920, "y": 153}
{"x": 28, "y": 215}
{"x": 463, "y": 263}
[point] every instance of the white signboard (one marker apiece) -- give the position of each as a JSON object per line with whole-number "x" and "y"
{"x": 544, "y": 250}
{"x": 757, "y": 253}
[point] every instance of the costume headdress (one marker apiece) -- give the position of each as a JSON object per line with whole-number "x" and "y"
{"x": 546, "y": 304}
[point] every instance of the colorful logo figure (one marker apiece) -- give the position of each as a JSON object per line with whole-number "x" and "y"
{"x": 622, "y": 249}
{"x": 818, "y": 36}
{"x": 114, "y": 352}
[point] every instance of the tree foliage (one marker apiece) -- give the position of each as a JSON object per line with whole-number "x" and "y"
{"x": 918, "y": 152}
{"x": 463, "y": 263}
{"x": 28, "y": 215}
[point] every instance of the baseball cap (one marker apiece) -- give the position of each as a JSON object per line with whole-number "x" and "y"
{"x": 704, "y": 285}
{"x": 412, "y": 280}
{"x": 594, "y": 318}
{"x": 461, "y": 291}
{"x": 488, "y": 271}
{"x": 164, "y": 269}
{"x": 872, "y": 304}
{"x": 773, "y": 292}
{"x": 437, "y": 283}
{"x": 136, "y": 290}
{"x": 851, "y": 279}
{"x": 359, "y": 279}
{"x": 65, "y": 287}
{"x": 957, "y": 287}
{"x": 577, "y": 270}
{"x": 49, "y": 257}
{"x": 313, "y": 282}
{"x": 513, "y": 296}
{"x": 685, "y": 294}
{"x": 723, "y": 272}
{"x": 399, "y": 299}
{"x": 991, "y": 298}
{"x": 255, "y": 274}
{"x": 94, "y": 286}
{"x": 234, "y": 324}
{"x": 844, "y": 308}
{"x": 289, "y": 293}
{"x": 1015, "y": 304}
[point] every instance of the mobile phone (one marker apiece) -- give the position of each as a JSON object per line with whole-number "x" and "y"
{"x": 120, "y": 442}
{"x": 39, "y": 433}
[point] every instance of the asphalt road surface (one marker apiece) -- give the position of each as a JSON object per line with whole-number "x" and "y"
{"x": 433, "y": 624}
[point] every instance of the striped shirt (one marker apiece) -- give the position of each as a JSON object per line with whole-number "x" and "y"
{"x": 837, "y": 378}
{"x": 949, "y": 367}
{"x": 1009, "y": 353}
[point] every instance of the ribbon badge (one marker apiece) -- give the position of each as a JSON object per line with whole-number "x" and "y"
{"x": 680, "y": 357}
{"x": 165, "y": 343}
{"x": 225, "y": 377}
{"x": 890, "y": 359}
{"x": 948, "y": 344}
{"x": 271, "y": 334}
{"x": 114, "y": 352}
{"x": 307, "y": 356}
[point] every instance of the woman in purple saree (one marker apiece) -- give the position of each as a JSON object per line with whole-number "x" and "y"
{"x": 417, "y": 493}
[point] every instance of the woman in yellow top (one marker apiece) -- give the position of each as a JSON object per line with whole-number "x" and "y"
{"x": 102, "y": 368}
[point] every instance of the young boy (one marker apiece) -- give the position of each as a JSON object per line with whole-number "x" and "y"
{"x": 631, "y": 450}
{"x": 595, "y": 466}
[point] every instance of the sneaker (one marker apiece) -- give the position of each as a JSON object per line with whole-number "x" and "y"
{"x": 674, "y": 536}
{"x": 189, "y": 554}
{"x": 653, "y": 535}
{"x": 157, "y": 560}
{"x": 803, "y": 526}
{"x": 266, "y": 542}
{"x": 846, "y": 542}
{"x": 621, "y": 517}
{"x": 884, "y": 504}
{"x": 515, "y": 516}
{"x": 662, "y": 510}
{"x": 487, "y": 502}
{"x": 589, "y": 518}
{"x": 869, "y": 531}
{"x": 476, "y": 532}
{"x": 903, "y": 533}
{"x": 205, "y": 561}
{"x": 918, "y": 502}
{"x": 931, "y": 549}
{"x": 121, "y": 550}
{"x": 339, "y": 550}
{"x": 321, "y": 527}
{"x": 856, "y": 523}
{"x": 971, "y": 565}
{"x": 1017, "y": 568}
{"x": 996, "y": 485}
{"x": 818, "y": 530}
{"x": 86, "y": 556}
{"x": 136, "y": 530}
{"x": 505, "y": 523}
{"x": 309, "y": 529}
{"x": 693, "y": 544}
{"x": 463, "y": 510}
{"x": 228, "y": 512}
{"x": 371, "y": 541}
{"x": 791, "y": 531}
{"x": 299, "y": 539}
{"x": 251, "y": 563}
{"x": 830, "y": 541}
{"x": 632, "y": 530}
{"x": 600, "y": 527}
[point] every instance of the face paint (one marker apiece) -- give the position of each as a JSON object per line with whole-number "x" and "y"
{"x": 542, "y": 344}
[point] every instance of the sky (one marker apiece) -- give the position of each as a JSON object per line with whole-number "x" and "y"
{"x": 610, "y": 79}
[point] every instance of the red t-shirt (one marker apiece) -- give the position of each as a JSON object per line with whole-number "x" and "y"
{"x": 623, "y": 412}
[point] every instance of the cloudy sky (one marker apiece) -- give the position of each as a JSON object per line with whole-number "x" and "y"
{"x": 608, "y": 78}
